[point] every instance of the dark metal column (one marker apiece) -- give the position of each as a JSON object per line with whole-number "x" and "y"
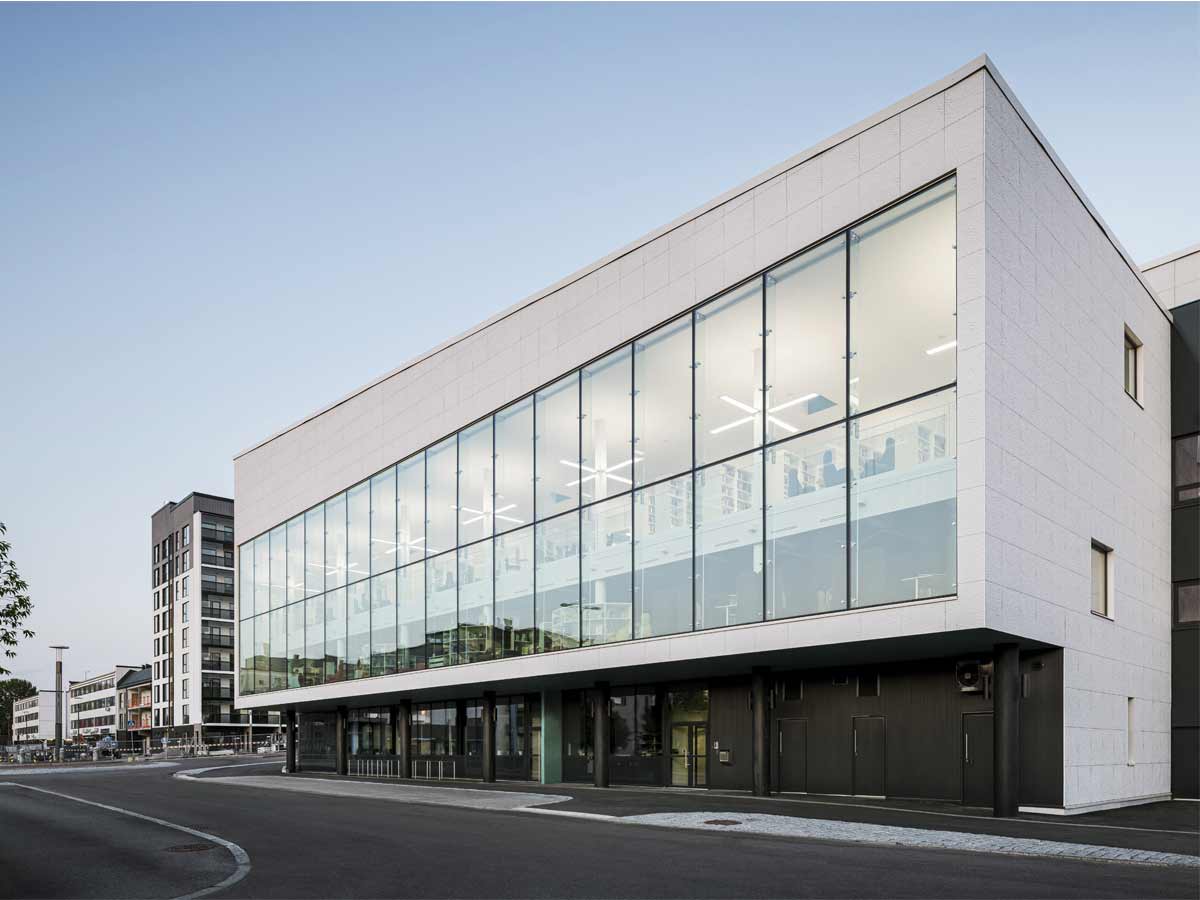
{"x": 291, "y": 741}
{"x": 343, "y": 721}
{"x": 760, "y": 746}
{"x": 1006, "y": 709}
{"x": 663, "y": 696}
{"x": 404, "y": 738}
{"x": 600, "y": 734}
{"x": 489, "y": 735}
{"x": 393, "y": 728}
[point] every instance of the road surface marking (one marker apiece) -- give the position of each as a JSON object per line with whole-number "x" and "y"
{"x": 240, "y": 856}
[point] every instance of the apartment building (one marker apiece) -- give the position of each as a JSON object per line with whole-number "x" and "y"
{"x": 92, "y": 711}
{"x": 33, "y": 719}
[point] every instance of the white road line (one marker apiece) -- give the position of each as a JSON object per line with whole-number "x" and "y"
{"x": 240, "y": 856}
{"x": 565, "y": 812}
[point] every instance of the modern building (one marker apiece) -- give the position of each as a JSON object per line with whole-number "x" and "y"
{"x": 192, "y": 577}
{"x": 33, "y": 719}
{"x": 1176, "y": 279}
{"x": 135, "y": 702}
{"x": 855, "y": 480}
{"x": 92, "y": 710}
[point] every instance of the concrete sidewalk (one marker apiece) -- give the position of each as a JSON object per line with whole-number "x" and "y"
{"x": 932, "y": 826}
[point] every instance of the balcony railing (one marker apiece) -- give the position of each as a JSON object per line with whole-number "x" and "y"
{"x": 216, "y": 587}
{"x": 209, "y": 664}
{"x": 213, "y": 611}
{"x": 214, "y": 534}
{"x": 216, "y": 640}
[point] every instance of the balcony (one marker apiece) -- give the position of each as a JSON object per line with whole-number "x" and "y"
{"x": 216, "y": 611}
{"x": 216, "y": 640}
{"x": 224, "y": 718}
{"x": 217, "y": 535}
{"x": 225, "y": 589}
{"x": 213, "y": 664}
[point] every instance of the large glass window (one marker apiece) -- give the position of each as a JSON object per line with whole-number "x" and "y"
{"x": 295, "y": 559}
{"x": 262, "y": 653}
{"x": 410, "y": 510}
{"x": 314, "y": 640}
{"x": 335, "y": 541}
{"x": 246, "y": 650}
{"x": 557, "y": 580}
{"x": 607, "y": 581}
{"x": 475, "y": 482}
{"x": 383, "y": 624}
{"x": 410, "y": 616}
{"x": 806, "y": 341}
{"x": 358, "y": 630}
{"x": 279, "y": 665}
{"x": 245, "y": 580}
{"x": 514, "y": 466}
{"x": 662, "y": 364}
{"x": 441, "y": 609}
{"x": 556, "y": 446}
{"x": 514, "y": 593}
{"x": 314, "y": 551}
{"x": 662, "y": 556}
{"x": 295, "y": 644}
{"x": 729, "y": 542}
{"x": 806, "y": 524}
{"x": 475, "y": 602}
{"x": 729, "y": 374}
{"x": 902, "y": 308}
{"x": 278, "y": 565}
{"x": 335, "y": 635}
{"x": 262, "y": 574}
{"x": 607, "y": 416}
{"x": 383, "y": 521}
{"x": 903, "y": 502}
{"x": 441, "y": 496}
{"x": 358, "y": 532}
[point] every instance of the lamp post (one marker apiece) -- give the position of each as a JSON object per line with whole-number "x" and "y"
{"x": 58, "y": 710}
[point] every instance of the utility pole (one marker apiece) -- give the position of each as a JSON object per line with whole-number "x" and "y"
{"x": 58, "y": 705}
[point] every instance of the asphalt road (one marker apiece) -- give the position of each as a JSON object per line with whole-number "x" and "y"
{"x": 302, "y": 845}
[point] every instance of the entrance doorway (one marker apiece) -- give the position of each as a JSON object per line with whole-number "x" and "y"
{"x": 689, "y": 755}
{"x": 977, "y": 757}
{"x": 868, "y": 752}
{"x": 792, "y": 744}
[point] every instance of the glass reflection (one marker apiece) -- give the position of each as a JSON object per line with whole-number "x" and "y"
{"x": 262, "y": 653}
{"x": 514, "y": 593}
{"x": 358, "y": 630}
{"x": 663, "y": 402}
{"x": 607, "y": 586}
{"x": 806, "y": 524}
{"x": 383, "y": 521}
{"x": 662, "y": 556}
{"x": 729, "y": 549}
{"x": 441, "y": 496}
{"x": 335, "y": 542}
{"x": 410, "y": 510}
{"x": 514, "y": 466}
{"x": 475, "y": 482}
{"x": 441, "y": 609}
{"x": 358, "y": 532}
{"x": 475, "y": 602}
{"x": 806, "y": 341}
{"x": 383, "y": 624}
{"x": 246, "y": 579}
{"x": 729, "y": 374}
{"x": 556, "y": 447}
{"x": 903, "y": 502}
{"x": 278, "y": 647}
{"x": 410, "y": 617}
{"x": 262, "y": 574}
{"x": 902, "y": 279}
{"x": 314, "y": 551}
{"x": 314, "y": 640}
{"x": 278, "y": 566}
{"x": 557, "y": 547}
{"x": 607, "y": 417}
{"x": 295, "y": 644}
{"x": 335, "y": 635}
{"x": 295, "y": 559}
{"x": 246, "y": 650}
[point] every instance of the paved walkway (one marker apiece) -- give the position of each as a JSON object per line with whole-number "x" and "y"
{"x": 730, "y": 819}
{"x": 82, "y": 768}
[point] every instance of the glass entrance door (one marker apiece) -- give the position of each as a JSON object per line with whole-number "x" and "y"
{"x": 689, "y": 755}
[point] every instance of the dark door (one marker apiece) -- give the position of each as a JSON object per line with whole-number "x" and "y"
{"x": 689, "y": 755}
{"x": 793, "y": 755}
{"x": 868, "y": 749}
{"x": 977, "y": 759}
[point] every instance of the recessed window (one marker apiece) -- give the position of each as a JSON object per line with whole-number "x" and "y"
{"x": 1133, "y": 366}
{"x": 1101, "y": 580}
{"x": 1187, "y": 469}
{"x": 1187, "y": 603}
{"x": 187, "y": 535}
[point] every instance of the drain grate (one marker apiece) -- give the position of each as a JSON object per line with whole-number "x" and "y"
{"x": 722, "y": 822}
{"x": 190, "y": 848}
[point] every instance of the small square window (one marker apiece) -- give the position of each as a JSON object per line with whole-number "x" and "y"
{"x": 1101, "y": 580}
{"x": 1133, "y": 366}
{"x": 1187, "y": 603}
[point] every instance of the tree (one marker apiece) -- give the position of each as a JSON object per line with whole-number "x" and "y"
{"x": 15, "y": 605}
{"x": 11, "y": 689}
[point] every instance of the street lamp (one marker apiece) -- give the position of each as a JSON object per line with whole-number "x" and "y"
{"x": 58, "y": 710}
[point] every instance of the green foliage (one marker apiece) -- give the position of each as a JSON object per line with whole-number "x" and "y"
{"x": 15, "y": 605}
{"x": 11, "y": 689}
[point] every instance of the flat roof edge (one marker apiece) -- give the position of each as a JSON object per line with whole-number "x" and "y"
{"x": 1171, "y": 257}
{"x": 981, "y": 62}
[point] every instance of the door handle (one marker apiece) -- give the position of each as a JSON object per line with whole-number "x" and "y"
{"x": 856, "y": 742}
{"x": 967, "y": 748}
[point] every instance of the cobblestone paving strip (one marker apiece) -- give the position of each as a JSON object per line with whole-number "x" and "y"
{"x": 862, "y": 832}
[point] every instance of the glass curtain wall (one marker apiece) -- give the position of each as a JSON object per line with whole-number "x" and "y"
{"x": 786, "y": 449}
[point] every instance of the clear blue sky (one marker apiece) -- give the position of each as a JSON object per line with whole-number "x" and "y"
{"x": 215, "y": 219}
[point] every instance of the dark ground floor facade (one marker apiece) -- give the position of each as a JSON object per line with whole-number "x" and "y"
{"x": 984, "y": 731}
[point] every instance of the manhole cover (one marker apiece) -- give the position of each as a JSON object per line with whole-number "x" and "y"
{"x": 190, "y": 848}
{"x": 722, "y": 822}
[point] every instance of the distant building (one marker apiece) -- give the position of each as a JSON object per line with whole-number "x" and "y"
{"x": 192, "y": 673}
{"x": 134, "y": 705}
{"x": 33, "y": 718}
{"x": 92, "y": 710}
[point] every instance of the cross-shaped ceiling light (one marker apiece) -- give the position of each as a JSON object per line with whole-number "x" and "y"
{"x": 756, "y": 411}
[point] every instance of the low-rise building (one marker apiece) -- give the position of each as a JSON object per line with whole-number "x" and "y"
{"x": 33, "y": 718}
{"x": 92, "y": 711}
{"x": 134, "y": 705}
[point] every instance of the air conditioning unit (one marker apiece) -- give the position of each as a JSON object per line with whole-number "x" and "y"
{"x": 972, "y": 675}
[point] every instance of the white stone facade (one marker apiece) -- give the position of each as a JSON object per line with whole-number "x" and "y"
{"x": 1175, "y": 278}
{"x": 1051, "y": 452}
